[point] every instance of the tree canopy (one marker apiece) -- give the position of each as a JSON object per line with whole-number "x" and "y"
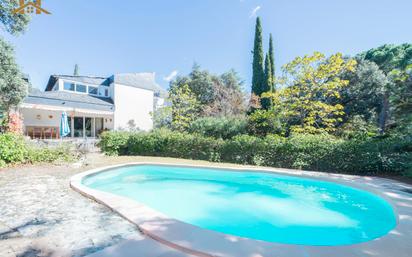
{"x": 394, "y": 61}
{"x": 12, "y": 23}
{"x": 312, "y": 85}
{"x": 219, "y": 95}
{"x": 13, "y": 88}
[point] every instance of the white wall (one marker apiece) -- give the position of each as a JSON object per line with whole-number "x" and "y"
{"x": 132, "y": 104}
{"x": 33, "y": 117}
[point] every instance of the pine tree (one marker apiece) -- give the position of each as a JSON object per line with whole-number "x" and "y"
{"x": 258, "y": 76}
{"x": 272, "y": 61}
{"x": 76, "y": 70}
{"x": 267, "y": 85}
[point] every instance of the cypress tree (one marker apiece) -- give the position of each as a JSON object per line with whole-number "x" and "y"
{"x": 258, "y": 76}
{"x": 265, "y": 102}
{"x": 272, "y": 61}
{"x": 76, "y": 70}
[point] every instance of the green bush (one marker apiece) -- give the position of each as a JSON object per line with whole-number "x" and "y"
{"x": 49, "y": 154}
{"x": 224, "y": 127}
{"x": 263, "y": 122}
{"x": 12, "y": 148}
{"x": 171, "y": 144}
{"x": 310, "y": 152}
{"x": 243, "y": 149}
{"x": 371, "y": 156}
{"x": 114, "y": 143}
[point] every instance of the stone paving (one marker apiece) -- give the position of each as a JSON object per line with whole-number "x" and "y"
{"x": 40, "y": 215}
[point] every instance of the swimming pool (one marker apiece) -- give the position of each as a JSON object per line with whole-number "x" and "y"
{"x": 262, "y": 206}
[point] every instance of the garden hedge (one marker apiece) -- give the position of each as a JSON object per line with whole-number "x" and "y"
{"x": 310, "y": 152}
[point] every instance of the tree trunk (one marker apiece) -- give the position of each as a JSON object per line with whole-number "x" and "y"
{"x": 384, "y": 113}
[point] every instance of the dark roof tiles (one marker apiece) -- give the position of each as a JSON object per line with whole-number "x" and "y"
{"x": 68, "y": 99}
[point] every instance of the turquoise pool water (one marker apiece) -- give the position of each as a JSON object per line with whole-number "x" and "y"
{"x": 269, "y": 207}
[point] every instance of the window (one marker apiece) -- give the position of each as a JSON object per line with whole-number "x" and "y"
{"x": 78, "y": 127}
{"x": 93, "y": 90}
{"x": 80, "y": 88}
{"x": 104, "y": 91}
{"x": 68, "y": 86}
{"x": 88, "y": 126}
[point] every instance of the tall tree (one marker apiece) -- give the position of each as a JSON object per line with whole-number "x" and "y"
{"x": 76, "y": 70}
{"x": 184, "y": 107}
{"x": 362, "y": 97}
{"x": 313, "y": 84}
{"x": 267, "y": 86}
{"x": 258, "y": 76}
{"x": 272, "y": 60}
{"x": 391, "y": 59}
{"x": 219, "y": 95}
{"x": 13, "y": 88}
{"x": 12, "y": 23}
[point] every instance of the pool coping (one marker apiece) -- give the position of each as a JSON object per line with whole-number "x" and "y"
{"x": 201, "y": 242}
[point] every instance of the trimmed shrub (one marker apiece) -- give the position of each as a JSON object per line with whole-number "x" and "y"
{"x": 310, "y": 152}
{"x": 12, "y": 148}
{"x": 243, "y": 149}
{"x": 171, "y": 144}
{"x": 221, "y": 127}
{"x": 114, "y": 143}
{"x": 371, "y": 156}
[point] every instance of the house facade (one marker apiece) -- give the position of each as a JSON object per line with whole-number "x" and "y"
{"x": 93, "y": 104}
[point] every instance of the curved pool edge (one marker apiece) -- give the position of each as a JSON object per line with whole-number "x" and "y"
{"x": 205, "y": 243}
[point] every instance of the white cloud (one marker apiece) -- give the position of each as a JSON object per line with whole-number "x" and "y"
{"x": 171, "y": 76}
{"x": 254, "y": 11}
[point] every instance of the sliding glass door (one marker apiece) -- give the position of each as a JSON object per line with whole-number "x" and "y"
{"x": 78, "y": 127}
{"x": 85, "y": 126}
{"x": 98, "y": 129}
{"x": 88, "y": 126}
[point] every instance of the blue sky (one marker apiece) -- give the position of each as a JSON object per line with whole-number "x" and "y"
{"x": 167, "y": 37}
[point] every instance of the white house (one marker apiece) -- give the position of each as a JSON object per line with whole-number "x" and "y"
{"x": 93, "y": 104}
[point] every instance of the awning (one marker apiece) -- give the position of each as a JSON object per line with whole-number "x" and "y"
{"x": 70, "y": 110}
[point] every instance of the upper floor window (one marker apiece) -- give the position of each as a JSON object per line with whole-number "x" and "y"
{"x": 103, "y": 91}
{"x": 80, "y": 88}
{"x": 93, "y": 90}
{"x": 68, "y": 86}
{"x": 86, "y": 89}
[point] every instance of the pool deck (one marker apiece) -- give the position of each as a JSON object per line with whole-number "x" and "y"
{"x": 186, "y": 239}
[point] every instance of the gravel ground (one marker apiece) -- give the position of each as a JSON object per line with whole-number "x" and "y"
{"x": 40, "y": 215}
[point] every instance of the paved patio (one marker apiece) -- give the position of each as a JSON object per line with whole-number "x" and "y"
{"x": 40, "y": 215}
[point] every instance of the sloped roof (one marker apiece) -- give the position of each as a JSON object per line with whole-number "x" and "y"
{"x": 81, "y": 79}
{"x": 68, "y": 99}
{"x": 144, "y": 80}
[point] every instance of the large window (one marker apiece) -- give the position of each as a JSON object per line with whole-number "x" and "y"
{"x": 98, "y": 127}
{"x": 88, "y": 126}
{"x": 78, "y": 127}
{"x": 80, "y": 88}
{"x": 69, "y": 86}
